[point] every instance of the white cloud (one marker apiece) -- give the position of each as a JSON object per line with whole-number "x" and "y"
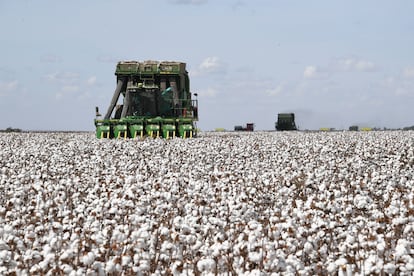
{"x": 91, "y": 80}
{"x": 208, "y": 93}
{"x": 70, "y": 88}
{"x": 84, "y": 96}
{"x": 310, "y": 72}
{"x": 389, "y": 81}
{"x": 401, "y": 91}
{"x": 400, "y": 86}
{"x": 359, "y": 65}
{"x": 238, "y": 4}
{"x": 107, "y": 59}
{"x": 211, "y": 65}
{"x": 275, "y": 91}
{"x": 59, "y": 95}
{"x": 66, "y": 90}
{"x": 50, "y": 58}
{"x": 408, "y": 73}
{"x": 63, "y": 77}
{"x": 189, "y": 2}
{"x": 7, "y": 87}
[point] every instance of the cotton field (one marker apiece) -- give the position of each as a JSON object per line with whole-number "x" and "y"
{"x": 257, "y": 203}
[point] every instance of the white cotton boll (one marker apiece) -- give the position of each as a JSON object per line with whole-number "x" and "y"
{"x": 190, "y": 239}
{"x": 98, "y": 238}
{"x": 66, "y": 255}
{"x": 53, "y": 242}
{"x": 389, "y": 268}
{"x": 80, "y": 208}
{"x": 177, "y": 221}
{"x": 332, "y": 267}
{"x": 401, "y": 248}
{"x": 361, "y": 201}
{"x": 4, "y": 245}
{"x": 206, "y": 265}
{"x": 164, "y": 231}
{"x": 57, "y": 226}
{"x": 7, "y": 229}
{"x": 35, "y": 269}
{"x": 350, "y": 239}
{"x": 308, "y": 247}
{"x": 67, "y": 269}
{"x": 164, "y": 257}
{"x": 135, "y": 235}
{"x": 255, "y": 257}
{"x": 408, "y": 229}
{"x": 185, "y": 229}
{"x": 118, "y": 235}
{"x": 136, "y": 258}
{"x": 5, "y": 256}
{"x": 177, "y": 268}
{"x": 381, "y": 247}
{"x": 332, "y": 224}
{"x": 113, "y": 211}
{"x": 197, "y": 245}
{"x": 166, "y": 246}
{"x": 126, "y": 260}
{"x": 322, "y": 187}
{"x": 392, "y": 211}
{"x": 253, "y": 225}
{"x": 88, "y": 258}
{"x": 46, "y": 249}
{"x": 37, "y": 186}
{"x": 79, "y": 271}
{"x": 370, "y": 264}
{"x": 66, "y": 236}
{"x": 144, "y": 265}
{"x": 43, "y": 265}
{"x": 255, "y": 272}
{"x": 110, "y": 266}
{"x": 410, "y": 264}
{"x": 144, "y": 234}
{"x": 214, "y": 221}
{"x": 341, "y": 262}
{"x": 399, "y": 221}
{"x": 130, "y": 180}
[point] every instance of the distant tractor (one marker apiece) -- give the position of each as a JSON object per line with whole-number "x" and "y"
{"x": 285, "y": 121}
{"x": 249, "y": 127}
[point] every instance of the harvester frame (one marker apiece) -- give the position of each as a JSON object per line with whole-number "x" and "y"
{"x": 157, "y": 102}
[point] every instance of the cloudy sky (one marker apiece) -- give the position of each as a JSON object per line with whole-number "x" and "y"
{"x": 334, "y": 63}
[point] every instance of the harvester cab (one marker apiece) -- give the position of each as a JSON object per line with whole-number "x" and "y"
{"x": 157, "y": 102}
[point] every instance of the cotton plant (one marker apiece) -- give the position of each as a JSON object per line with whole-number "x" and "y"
{"x": 241, "y": 203}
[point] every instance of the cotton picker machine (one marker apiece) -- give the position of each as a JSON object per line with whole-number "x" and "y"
{"x": 156, "y": 102}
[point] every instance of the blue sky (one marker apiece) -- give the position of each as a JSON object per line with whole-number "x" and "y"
{"x": 332, "y": 63}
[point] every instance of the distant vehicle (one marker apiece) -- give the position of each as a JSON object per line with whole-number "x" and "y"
{"x": 249, "y": 127}
{"x": 285, "y": 121}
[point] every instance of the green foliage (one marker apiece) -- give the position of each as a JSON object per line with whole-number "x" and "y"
{"x": 409, "y": 128}
{"x": 10, "y": 129}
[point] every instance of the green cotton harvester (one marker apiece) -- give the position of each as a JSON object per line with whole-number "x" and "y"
{"x": 157, "y": 102}
{"x": 285, "y": 121}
